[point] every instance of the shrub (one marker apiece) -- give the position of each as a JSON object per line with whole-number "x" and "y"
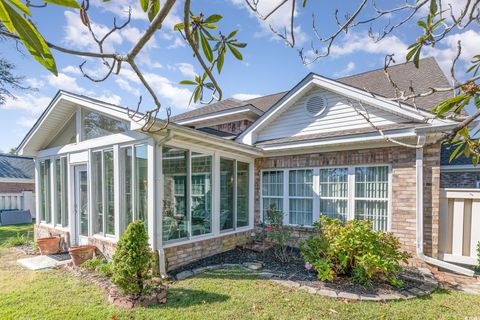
{"x": 353, "y": 249}
{"x": 18, "y": 240}
{"x": 478, "y": 257}
{"x": 91, "y": 264}
{"x": 132, "y": 260}
{"x": 99, "y": 266}
{"x": 278, "y": 234}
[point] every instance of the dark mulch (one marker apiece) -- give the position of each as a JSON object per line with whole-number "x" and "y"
{"x": 295, "y": 270}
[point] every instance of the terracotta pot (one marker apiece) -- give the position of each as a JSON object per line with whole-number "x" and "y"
{"x": 49, "y": 245}
{"x": 81, "y": 254}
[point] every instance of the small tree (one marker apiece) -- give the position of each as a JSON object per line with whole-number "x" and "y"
{"x": 278, "y": 234}
{"x": 132, "y": 260}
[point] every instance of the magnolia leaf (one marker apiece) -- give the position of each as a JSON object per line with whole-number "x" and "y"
{"x": 5, "y": 18}
{"x": 220, "y": 61}
{"x": 198, "y": 93}
{"x": 209, "y": 26}
{"x": 213, "y": 18}
{"x": 153, "y": 8}
{"x": 144, "y": 5}
{"x": 416, "y": 57}
{"x": 238, "y": 44}
{"x": 232, "y": 34}
{"x": 235, "y": 52}
{"x": 433, "y": 7}
{"x": 188, "y": 82}
{"x": 21, "y": 6}
{"x": 412, "y": 52}
{"x": 65, "y": 3}
{"x": 32, "y": 39}
{"x": 456, "y": 153}
{"x": 207, "y": 50}
{"x": 179, "y": 26}
{"x": 422, "y": 24}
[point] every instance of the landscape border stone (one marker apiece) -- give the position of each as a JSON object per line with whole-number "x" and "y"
{"x": 425, "y": 287}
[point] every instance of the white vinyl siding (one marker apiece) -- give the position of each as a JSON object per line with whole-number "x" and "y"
{"x": 354, "y": 192}
{"x": 338, "y": 116}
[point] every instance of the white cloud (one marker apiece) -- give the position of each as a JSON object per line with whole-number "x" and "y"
{"x": 245, "y": 96}
{"x": 108, "y": 97}
{"x": 32, "y": 103}
{"x": 177, "y": 43}
{"x": 126, "y": 85}
{"x": 347, "y": 71}
{"x": 27, "y": 122}
{"x": 35, "y": 83}
{"x": 72, "y": 70}
{"x": 64, "y": 82}
{"x": 361, "y": 42}
{"x": 186, "y": 69}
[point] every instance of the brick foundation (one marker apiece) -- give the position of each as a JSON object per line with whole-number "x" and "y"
{"x": 183, "y": 254}
{"x": 402, "y": 160}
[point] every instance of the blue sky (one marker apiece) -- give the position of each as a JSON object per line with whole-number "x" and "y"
{"x": 269, "y": 66}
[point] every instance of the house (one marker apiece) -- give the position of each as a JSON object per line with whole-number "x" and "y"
{"x": 458, "y": 173}
{"x": 17, "y": 183}
{"x": 202, "y": 184}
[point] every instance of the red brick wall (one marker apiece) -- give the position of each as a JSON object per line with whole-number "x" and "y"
{"x": 14, "y": 187}
{"x": 403, "y": 185}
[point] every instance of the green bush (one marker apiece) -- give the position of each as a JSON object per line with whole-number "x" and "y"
{"x": 91, "y": 264}
{"x": 278, "y": 234}
{"x": 354, "y": 250}
{"x": 132, "y": 260}
{"x": 99, "y": 266}
{"x": 18, "y": 240}
{"x": 478, "y": 257}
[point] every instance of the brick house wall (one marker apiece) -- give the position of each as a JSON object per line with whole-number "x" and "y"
{"x": 16, "y": 187}
{"x": 464, "y": 179}
{"x": 402, "y": 160}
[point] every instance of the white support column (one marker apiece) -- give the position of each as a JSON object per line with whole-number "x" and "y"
{"x": 116, "y": 190}
{"x": 475, "y": 226}
{"x": 52, "y": 191}
{"x": 37, "y": 191}
{"x": 158, "y": 195}
{"x": 351, "y": 193}
{"x": 286, "y": 204}
{"x": 91, "y": 196}
{"x": 71, "y": 203}
{"x": 458, "y": 212}
{"x": 79, "y": 124}
{"x": 251, "y": 195}
{"x": 151, "y": 216}
{"x": 316, "y": 195}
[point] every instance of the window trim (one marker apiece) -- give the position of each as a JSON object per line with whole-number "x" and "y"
{"x": 103, "y": 233}
{"x": 316, "y": 185}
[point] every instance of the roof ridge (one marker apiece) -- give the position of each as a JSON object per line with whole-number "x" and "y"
{"x": 267, "y": 95}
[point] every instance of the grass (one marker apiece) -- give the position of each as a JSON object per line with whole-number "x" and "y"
{"x": 223, "y": 294}
{"x": 16, "y": 234}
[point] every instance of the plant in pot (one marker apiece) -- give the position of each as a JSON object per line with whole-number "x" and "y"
{"x": 81, "y": 254}
{"x": 49, "y": 245}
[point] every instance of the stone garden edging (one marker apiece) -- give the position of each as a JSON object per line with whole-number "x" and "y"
{"x": 429, "y": 284}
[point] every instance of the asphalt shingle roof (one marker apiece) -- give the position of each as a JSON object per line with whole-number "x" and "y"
{"x": 16, "y": 167}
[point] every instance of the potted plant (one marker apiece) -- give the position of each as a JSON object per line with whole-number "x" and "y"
{"x": 49, "y": 245}
{"x": 81, "y": 254}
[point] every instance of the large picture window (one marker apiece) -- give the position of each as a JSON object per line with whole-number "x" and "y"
{"x": 135, "y": 183}
{"x": 333, "y": 193}
{"x": 343, "y": 193}
{"x": 61, "y": 197}
{"x": 201, "y": 195}
{"x": 242, "y": 194}
{"x": 98, "y": 125}
{"x": 44, "y": 184}
{"x": 103, "y": 192}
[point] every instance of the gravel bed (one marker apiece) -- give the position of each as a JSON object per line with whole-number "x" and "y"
{"x": 295, "y": 271}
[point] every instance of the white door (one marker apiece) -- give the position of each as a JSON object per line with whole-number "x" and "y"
{"x": 81, "y": 204}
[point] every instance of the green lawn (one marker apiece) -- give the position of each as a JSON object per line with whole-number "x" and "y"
{"x": 231, "y": 294}
{"x": 7, "y": 232}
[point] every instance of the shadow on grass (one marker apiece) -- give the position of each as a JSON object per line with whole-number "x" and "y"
{"x": 229, "y": 274}
{"x": 183, "y": 298}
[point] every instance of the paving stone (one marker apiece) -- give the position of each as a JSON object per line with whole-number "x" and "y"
{"x": 327, "y": 293}
{"x": 370, "y": 297}
{"x": 288, "y": 283}
{"x": 200, "y": 270}
{"x": 253, "y": 265}
{"x": 417, "y": 291}
{"x": 215, "y": 267}
{"x": 184, "y": 275}
{"x": 230, "y": 265}
{"x": 309, "y": 289}
{"x": 389, "y": 296}
{"x": 348, "y": 295}
{"x": 266, "y": 275}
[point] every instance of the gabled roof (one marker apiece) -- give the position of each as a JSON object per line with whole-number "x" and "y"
{"x": 405, "y": 75}
{"x": 16, "y": 167}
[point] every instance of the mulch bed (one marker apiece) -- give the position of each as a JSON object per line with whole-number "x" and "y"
{"x": 295, "y": 271}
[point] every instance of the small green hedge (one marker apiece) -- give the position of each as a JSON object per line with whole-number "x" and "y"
{"x": 132, "y": 260}
{"x": 354, "y": 250}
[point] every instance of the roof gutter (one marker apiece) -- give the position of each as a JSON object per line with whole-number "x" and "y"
{"x": 419, "y": 218}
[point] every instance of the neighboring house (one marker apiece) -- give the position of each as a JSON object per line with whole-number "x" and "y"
{"x": 458, "y": 173}
{"x": 17, "y": 182}
{"x": 202, "y": 184}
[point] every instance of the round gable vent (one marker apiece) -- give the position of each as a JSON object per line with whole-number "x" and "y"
{"x": 316, "y": 105}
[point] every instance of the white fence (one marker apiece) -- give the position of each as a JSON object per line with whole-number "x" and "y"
{"x": 459, "y": 231}
{"x": 22, "y": 201}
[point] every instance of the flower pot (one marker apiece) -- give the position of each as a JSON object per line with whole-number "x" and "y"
{"x": 81, "y": 254}
{"x": 49, "y": 245}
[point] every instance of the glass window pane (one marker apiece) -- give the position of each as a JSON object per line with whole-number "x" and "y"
{"x": 58, "y": 192}
{"x": 41, "y": 183}
{"x": 226, "y": 193}
{"x": 242, "y": 194}
{"x": 97, "y": 192}
{"x": 83, "y": 203}
{"x": 127, "y": 186}
{"x": 47, "y": 190}
{"x": 300, "y": 211}
{"x": 108, "y": 185}
{"x": 272, "y": 191}
{"x": 300, "y": 186}
{"x": 334, "y": 192}
{"x": 201, "y": 196}
{"x": 141, "y": 183}
{"x": 97, "y": 125}
{"x": 371, "y": 196}
{"x": 175, "y": 216}
{"x": 65, "y": 191}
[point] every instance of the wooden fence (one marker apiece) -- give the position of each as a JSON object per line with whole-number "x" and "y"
{"x": 22, "y": 201}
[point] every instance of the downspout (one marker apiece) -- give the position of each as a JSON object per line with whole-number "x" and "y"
{"x": 161, "y": 251}
{"x": 419, "y": 207}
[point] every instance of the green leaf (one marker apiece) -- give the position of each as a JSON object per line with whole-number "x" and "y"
{"x": 21, "y": 6}
{"x": 65, "y": 3}
{"x": 422, "y": 24}
{"x": 304, "y": 3}
{"x": 207, "y": 50}
{"x": 238, "y": 44}
{"x": 213, "y": 18}
{"x": 433, "y": 7}
{"x": 416, "y": 57}
{"x": 179, "y": 26}
{"x": 220, "y": 61}
{"x": 188, "y": 82}
{"x": 235, "y": 52}
{"x": 209, "y": 26}
{"x": 411, "y": 52}
{"x": 456, "y": 153}
{"x": 144, "y": 5}
{"x": 449, "y": 104}
{"x": 32, "y": 39}
{"x": 198, "y": 93}
{"x": 5, "y": 18}
{"x": 232, "y": 34}
{"x": 153, "y": 8}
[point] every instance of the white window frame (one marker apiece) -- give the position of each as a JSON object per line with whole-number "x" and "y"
{"x": 316, "y": 186}
{"x": 314, "y": 194}
{"x": 348, "y": 213}
{"x": 262, "y": 214}
{"x": 64, "y": 193}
